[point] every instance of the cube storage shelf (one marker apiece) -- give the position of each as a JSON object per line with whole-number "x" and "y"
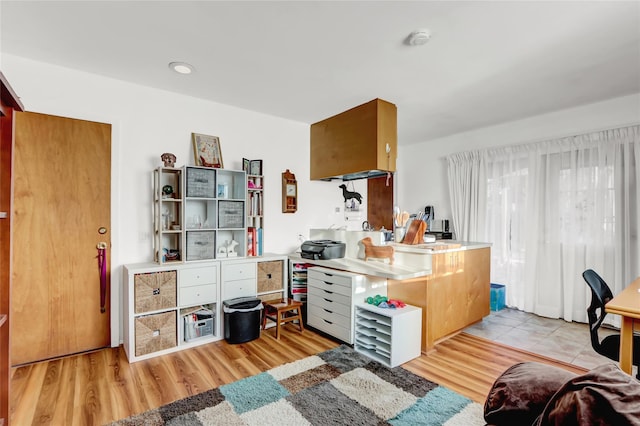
{"x": 170, "y": 307}
{"x": 199, "y": 214}
{"x": 390, "y": 336}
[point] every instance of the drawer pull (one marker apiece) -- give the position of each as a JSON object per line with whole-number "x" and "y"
{"x": 327, "y": 300}
{"x": 326, "y": 310}
{"x": 327, "y": 291}
{"x": 328, "y": 283}
{"x": 328, "y": 322}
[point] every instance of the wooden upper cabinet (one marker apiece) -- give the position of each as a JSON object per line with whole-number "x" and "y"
{"x": 355, "y": 142}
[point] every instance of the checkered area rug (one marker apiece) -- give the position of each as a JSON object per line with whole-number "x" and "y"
{"x": 336, "y": 387}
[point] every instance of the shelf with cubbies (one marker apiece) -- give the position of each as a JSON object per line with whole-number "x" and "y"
{"x": 210, "y": 211}
{"x": 255, "y": 215}
{"x": 390, "y": 336}
{"x": 167, "y": 213}
{"x": 170, "y": 307}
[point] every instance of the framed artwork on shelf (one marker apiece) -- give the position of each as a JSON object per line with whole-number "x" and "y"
{"x": 256, "y": 167}
{"x": 246, "y": 165}
{"x": 207, "y": 151}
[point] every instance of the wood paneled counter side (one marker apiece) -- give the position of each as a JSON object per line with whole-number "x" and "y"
{"x": 453, "y": 297}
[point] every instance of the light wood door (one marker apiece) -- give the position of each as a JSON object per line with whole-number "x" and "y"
{"x": 61, "y": 200}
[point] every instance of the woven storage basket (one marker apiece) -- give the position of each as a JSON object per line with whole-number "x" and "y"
{"x": 269, "y": 276}
{"x": 271, "y": 296}
{"x": 155, "y": 332}
{"x": 154, "y": 291}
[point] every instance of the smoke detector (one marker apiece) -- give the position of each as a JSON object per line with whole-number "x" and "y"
{"x": 418, "y": 37}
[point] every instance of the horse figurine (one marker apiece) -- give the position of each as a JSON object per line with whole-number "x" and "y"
{"x": 231, "y": 248}
{"x": 376, "y": 252}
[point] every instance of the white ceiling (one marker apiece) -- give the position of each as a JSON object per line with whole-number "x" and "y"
{"x": 486, "y": 63}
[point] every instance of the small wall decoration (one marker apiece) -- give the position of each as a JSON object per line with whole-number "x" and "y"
{"x": 289, "y": 192}
{"x": 207, "y": 151}
{"x": 169, "y": 159}
{"x": 350, "y": 198}
{"x": 245, "y": 165}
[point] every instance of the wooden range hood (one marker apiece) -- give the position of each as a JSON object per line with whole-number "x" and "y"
{"x": 359, "y": 143}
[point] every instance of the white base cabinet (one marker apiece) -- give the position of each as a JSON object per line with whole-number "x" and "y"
{"x": 169, "y": 307}
{"x": 331, "y": 296}
{"x": 175, "y": 306}
{"x": 390, "y": 336}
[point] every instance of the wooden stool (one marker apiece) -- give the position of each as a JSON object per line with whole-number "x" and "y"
{"x": 282, "y": 312}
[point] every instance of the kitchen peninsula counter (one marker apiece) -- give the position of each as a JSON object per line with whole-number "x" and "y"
{"x": 450, "y": 281}
{"x": 371, "y": 267}
{"x": 403, "y": 268}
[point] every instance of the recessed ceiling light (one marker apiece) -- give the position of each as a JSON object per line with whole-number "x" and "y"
{"x": 181, "y": 67}
{"x": 418, "y": 37}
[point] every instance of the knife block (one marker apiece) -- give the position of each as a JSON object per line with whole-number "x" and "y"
{"x": 415, "y": 232}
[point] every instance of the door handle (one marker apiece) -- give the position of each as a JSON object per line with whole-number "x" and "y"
{"x": 102, "y": 269}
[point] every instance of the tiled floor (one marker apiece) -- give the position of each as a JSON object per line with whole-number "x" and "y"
{"x": 555, "y": 338}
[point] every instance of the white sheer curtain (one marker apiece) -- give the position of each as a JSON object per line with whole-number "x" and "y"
{"x": 467, "y": 184}
{"x": 551, "y": 210}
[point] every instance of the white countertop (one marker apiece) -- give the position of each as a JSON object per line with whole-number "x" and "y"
{"x": 395, "y": 271}
{"x": 371, "y": 267}
{"x": 440, "y": 246}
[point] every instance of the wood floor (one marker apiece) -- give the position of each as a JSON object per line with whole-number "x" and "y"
{"x": 99, "y": 387}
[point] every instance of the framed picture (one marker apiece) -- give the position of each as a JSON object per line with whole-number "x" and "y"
{"x": 245, "y": 165}
{"x": 256, "y": 167}
{"x": 223, "y": 190}
{"x": 206, "y": 151}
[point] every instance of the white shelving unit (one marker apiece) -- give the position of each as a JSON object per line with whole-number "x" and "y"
{"x": 169, "y": 307}
{"x": 199, "y": 214}
{"x": 177, "y": 306}
{"x": 167, "y": 214}
{"x": 390, "y": 336}
{"x": 255, "y": 215}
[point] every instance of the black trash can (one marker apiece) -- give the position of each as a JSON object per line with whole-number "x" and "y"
{"x": 242, "y": 319}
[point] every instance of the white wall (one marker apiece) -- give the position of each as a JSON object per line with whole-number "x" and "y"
{"x": 422, "y": 174}
{"x": 147, "y": 122}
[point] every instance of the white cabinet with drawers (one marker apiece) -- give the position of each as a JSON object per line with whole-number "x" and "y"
{"x": 169, "y": 307}
{"x": 331, "y": 296}
{"x": 238, "y": 279}
{"x": 198, "y": 285}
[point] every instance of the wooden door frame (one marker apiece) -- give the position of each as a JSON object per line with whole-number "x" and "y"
{"x": 9, "y": 102}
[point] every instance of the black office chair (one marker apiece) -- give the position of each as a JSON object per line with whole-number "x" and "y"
{"x": 610, "y": 345}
